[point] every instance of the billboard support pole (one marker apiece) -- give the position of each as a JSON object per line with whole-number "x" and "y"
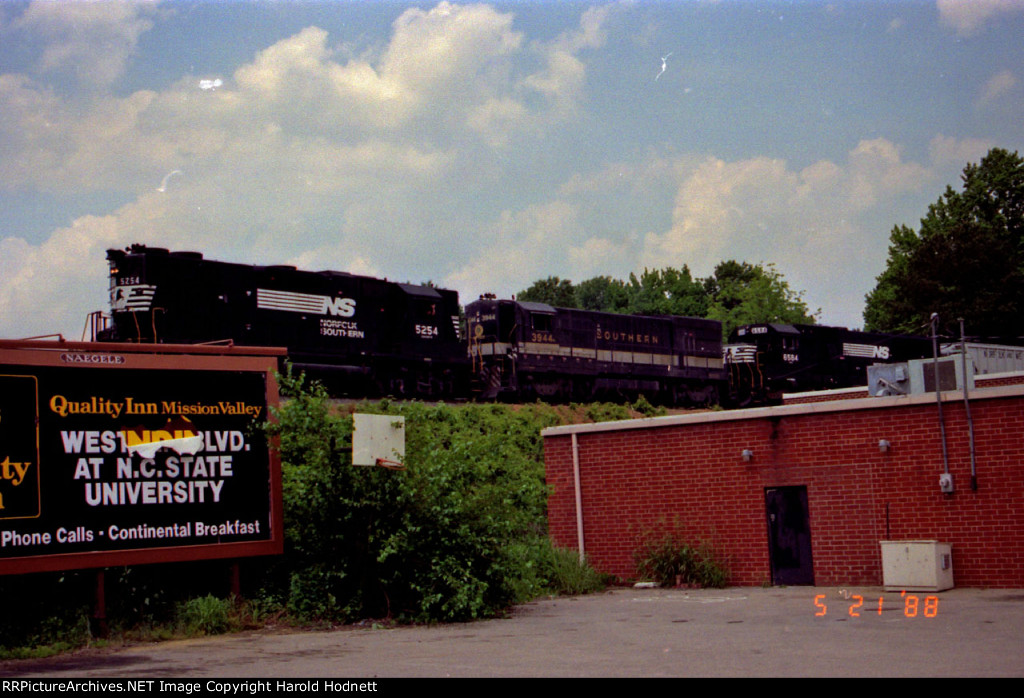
{"x": 236, "y": 581}
{"x": 99, "y": 612}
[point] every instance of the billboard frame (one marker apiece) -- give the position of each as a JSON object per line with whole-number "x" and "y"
{"x": 127, "y": 356}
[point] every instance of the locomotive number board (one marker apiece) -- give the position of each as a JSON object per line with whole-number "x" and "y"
{"x": 111, "y": 457}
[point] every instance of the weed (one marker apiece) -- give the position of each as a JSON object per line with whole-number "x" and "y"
{"x": 570, "y": 575}
{"x": 206, "y": 615}
{"x": 645, "y": 408}
{"x": 671, "y": 562}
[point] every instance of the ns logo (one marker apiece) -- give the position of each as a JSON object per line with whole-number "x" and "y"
{"x": 339, "y": 307}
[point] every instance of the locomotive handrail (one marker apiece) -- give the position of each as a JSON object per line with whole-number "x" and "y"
{"x": 60, "y": 337}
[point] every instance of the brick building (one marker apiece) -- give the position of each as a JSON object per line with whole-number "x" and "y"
{"x": 820, "y": 485}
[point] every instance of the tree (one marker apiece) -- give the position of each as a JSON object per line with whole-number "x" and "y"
{"x": 743, "y": 294}
{"x": 966, "y": 260}
{"x": 603, "y": 293}
{"x": 667, "y": 292}
{"x": 738, "y": 293}
{"x": 552, "y": 290}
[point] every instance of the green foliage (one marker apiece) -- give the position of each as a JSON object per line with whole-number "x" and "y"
{"x": 54, "y": 611}
{"x": 966, "y": 260}
{"x": 670, "y": 561}
{"x": 552, "y": 290}
{"x": 65, "y": 629}
{"x": 607, "y": 412}
{"x": 603, "y": 293}
{"x": 744, "y": 294}
{"x": 568, "y": 574}
{"x": 738, "y": 293}
{"x": 51, "y": 613}
{"x": 667, "y": 292}
{"x": 460, "y": 534}
{"x": 206, "y": 615}
{"x": 647, "y": 409}
{"x": 442, "y": 540}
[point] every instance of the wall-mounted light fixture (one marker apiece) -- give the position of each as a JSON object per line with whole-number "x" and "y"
{"x": 747, "y": 454}
{"x": 884, "y": 445}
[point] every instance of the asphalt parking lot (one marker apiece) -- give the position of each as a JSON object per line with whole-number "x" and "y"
{"x": 625, "y": 632}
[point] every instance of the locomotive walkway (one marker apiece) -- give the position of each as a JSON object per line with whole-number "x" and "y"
{"x": 735, "y": 632}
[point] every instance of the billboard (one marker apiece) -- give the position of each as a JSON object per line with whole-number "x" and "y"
{"x": 127, "y": 454}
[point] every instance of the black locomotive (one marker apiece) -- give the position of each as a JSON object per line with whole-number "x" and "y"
{"x": 531, "y": 351}
{"x": 367, "y": 337}
{"x": 764, "y": 361}
{"x": 361, "y": 336}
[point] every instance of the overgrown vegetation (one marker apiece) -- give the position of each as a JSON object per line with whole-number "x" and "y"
{"x": 54, "y": 612}
{"x": 568, "y": 574}
{"x": 459, "y": 534}
{"x": 446, "y": 539}
{"x": 206, "y": 615}
{"x": 668, "y": 559}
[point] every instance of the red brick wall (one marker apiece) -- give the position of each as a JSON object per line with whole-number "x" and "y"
{"x": 686, "y": 473}
{"x": 997, "y": 379}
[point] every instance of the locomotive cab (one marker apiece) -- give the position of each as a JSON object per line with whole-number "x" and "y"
{"x": 768, "y": 360}
{"x": 491, "y": 328}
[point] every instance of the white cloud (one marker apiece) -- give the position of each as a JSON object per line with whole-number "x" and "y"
{"x": 53, "y": 286}
{"x": 92, "y": 41}
{"x": 601, "y": 256}
{"x": 968, "y": 17}
{"x": 714, "y": 205}
{"x": 814, "y": 224}
{"x": 398, "y": 159}
{"x": 591, "y": 33}
{"x": 878, "y": 171}
{"x": 297, "y": 156}
{"x": 445, "y": 74}
{"x": 948, "y": 153}
{"x": 521, "y": 248}
{"x": 999, "y": 85}
{"x": 449, "y": 49}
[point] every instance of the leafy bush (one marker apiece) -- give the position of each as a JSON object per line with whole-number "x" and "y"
{"x": 669, "y": 561}
{"x": 442, "y": 540}
{"x": 607, "y": 412}
{"x": 644, "y": 407}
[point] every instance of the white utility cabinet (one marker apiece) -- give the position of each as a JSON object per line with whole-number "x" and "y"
{"x": 916, "y": 565}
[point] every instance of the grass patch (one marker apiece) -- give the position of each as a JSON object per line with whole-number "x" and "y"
{"x": 569, "y": 575}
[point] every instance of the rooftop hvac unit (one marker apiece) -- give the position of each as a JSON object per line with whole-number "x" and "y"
{"x": 989, "y": 358}
{"x": 888, "y": 379}
{"x": 918, "y": 376}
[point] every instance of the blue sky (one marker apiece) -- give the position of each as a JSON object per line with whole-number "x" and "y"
{"x": 485, "y": 145}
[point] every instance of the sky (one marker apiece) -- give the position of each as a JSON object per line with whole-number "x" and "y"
{"x": 483, "y": 146}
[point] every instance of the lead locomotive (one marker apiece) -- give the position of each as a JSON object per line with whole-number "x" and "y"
{"x": 361, "y": 336}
